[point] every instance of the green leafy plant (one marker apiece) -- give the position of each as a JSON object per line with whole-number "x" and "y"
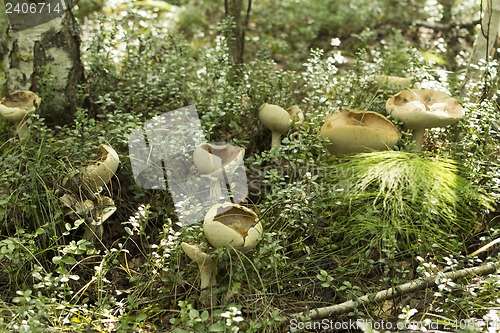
{"x": 325, "y": 278}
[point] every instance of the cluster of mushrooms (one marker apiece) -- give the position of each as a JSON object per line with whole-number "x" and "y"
{"x": 229, "y": 224}
{"x": 16, "y": 107}
{"x": 354, "y": 131}
{"x": 349, "y": 132}
{"x": 90, "y": 206}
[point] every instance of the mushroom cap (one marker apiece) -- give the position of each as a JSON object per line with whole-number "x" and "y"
{"x": 210, "y": 158}
{"x": 275, "y": 118}
{"x": 424, "y": 108}
{"x": 195, "y": 253}
{"x": 100, "y": 173}
{"x": 234, "y": 225}
{"x": 16, "y": 105}
{"x": 356, "y": 131}
{"x": 296, "y": 114}
{"x": 392, "y": 81}
{"x": 105, "y": 210}
{"x": 72, "y": 205}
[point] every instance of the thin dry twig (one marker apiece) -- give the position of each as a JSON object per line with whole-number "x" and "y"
{"x": 409, "y": 287}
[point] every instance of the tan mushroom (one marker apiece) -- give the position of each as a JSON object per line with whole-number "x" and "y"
{"x": 204, "y": 262}
{"x": 356, "y": 131}
{"x": 392, "y": 81}
{"x": 216, "y": 161}
{"x": 233, "y": 225}
{"x": 17, "y": 106}
{"x": 94, "y": 214}
{"x": 94, "y": 229}
{"x": 279, "y": 120}
{"x": 100, "y": 173}
{"x": 205, "y": 265}
{"x": 75, "y": 208}
{"x": 296, "y": 114}
{"x": 419, "y": 109}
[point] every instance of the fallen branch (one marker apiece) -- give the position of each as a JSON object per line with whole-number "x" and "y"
{"x": 437, "y": 26}
{"x": 412, "y": 286}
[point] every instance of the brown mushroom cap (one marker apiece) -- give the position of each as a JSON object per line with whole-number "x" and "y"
{"x": 424, "y": 108}
{"x": 356, "y": 131}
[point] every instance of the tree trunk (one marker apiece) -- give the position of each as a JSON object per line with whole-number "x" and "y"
{"x": 486, "y": 37}
{"x": 236, "y": 35}
{"x": 46, "y": 60}
{"x": 4, "y": 24}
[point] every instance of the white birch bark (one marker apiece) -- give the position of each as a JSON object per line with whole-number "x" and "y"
{"x": 46, "y": 60}
{"x": 486, "y": 37}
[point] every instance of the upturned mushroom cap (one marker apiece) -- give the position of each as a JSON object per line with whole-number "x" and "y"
{"x": 275, "y": 118}
{"x": 211, "y": 158}
{"x": 424, "y": 108}
{"x": 16, "y": 105}
{"x": 234, "y": 225}
{"x": 356, "y": 131}
{"x": 100, "y": 173}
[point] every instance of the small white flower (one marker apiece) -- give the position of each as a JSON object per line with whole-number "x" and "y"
{"x": 335, "y": 41}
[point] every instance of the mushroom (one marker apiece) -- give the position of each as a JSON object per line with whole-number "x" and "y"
{"x": 16, "y": 107}
{"x": 95, "y": 229}
{"x": 277, "y": 119}
{"x": 205, "y": 263}
{"x": 216, "y": 161}
{"x": 419, "y": 109}
{"x": 230, "y": 224}
{"x": 100, "y": 173}
{"x": 296, "y": 114}
{"x": 75, "y": 208}
{"x": 95, "y": 215}
{"x": 392, "y": 81}
{"x": 356, "y": 131}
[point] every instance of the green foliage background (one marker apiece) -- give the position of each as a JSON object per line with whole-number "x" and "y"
{"x": 335, "y": 227}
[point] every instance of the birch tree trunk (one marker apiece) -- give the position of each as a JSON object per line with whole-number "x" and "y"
{"x": 46, "y": 60}
{"x": 486, "y": 37}
{"x": 4, "y": 24}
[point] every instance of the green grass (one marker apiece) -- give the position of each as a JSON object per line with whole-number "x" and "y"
{"x": 404, "y": 202}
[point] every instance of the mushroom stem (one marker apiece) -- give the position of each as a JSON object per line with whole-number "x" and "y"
{"x": 205, "y": 264}
{"x": 215, "y": 189}
{"x": 276, "y": 139}
{"x": 94, "y": 230}
{"x": 418, "y": 137}
{"x": 22, "y": 130}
